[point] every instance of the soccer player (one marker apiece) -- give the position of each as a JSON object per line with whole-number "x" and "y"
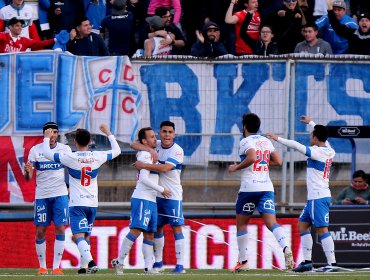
{"x": 256, "y": 191}
{"x": 316, "y": 211}
{"x": 83, "y": 167}
{"x": 51, "y": 200}
{"x": 143, "y": 207}
{"x": 170, "y": 158}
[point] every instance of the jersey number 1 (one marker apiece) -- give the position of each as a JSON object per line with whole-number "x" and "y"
{"x": 85, "y": 178}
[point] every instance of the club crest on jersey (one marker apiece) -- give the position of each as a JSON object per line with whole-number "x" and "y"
{"x": 269, "y": 204}
{"x": 249, "y": 207}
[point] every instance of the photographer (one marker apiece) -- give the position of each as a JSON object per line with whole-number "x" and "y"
{"x": 358, "y": 193}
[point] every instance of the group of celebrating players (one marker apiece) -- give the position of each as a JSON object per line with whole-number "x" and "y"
{"x": 157, "y": 198}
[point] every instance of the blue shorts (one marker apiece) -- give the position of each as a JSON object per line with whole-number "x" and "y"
{"x": 247, "y": 202}
{"x": 51, "y": 209}
{"x": 169, "y": 212}
{"x": 316, "y": 212}
{"x": 81, "y": 219}
{"x": 144, "y": 215}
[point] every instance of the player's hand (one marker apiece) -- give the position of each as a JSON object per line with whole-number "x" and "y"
{"x": 233, "y": 167}
{"x": 139, "y": 165}
{"x": 48, "y": 133}
{"x": 347, "y": 201}
{"x": 166, "y": 193}
{"x": 234, "y": 2}
{"x": 105, "y": 129}
{"x": 28, "y": 167}
{"x": 154, "y": 155}
{"x": 305, "y": 119}
{"x": 271, "y": 135}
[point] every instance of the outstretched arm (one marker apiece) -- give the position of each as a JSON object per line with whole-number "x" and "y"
{"x": 250, "y": 158}
{"x": 144, "y": 179}
{"x": 289, "y": 143}
{"x": 116, "y": 150}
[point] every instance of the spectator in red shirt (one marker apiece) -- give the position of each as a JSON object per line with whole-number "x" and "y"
{"x": 11, "y": 42}
{"x": 238, "y": 18}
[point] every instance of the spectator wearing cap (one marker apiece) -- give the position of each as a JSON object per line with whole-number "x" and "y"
{"x": 21, "y": 10}
{"x": 338, "y": 43}
{"x": 84, "y": 42}
{"x": 157, "y": 45}
{"x": 118, "y": 29}
{"x": 311, "y": 43}
{"x": 12, "y": 41}
{"x": 359, "y": 39}
{"x": 177, "y": 38}
{"x": 208, "y": 44}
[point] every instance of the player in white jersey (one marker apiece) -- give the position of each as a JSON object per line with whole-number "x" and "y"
{"x": 316, "y": 211}
{"x": 83, "y": 167}
{"x": 143, "y": 207}
{"x": 170, "y": 158}
{"x": 256, "y": 191}
{"x": 51, "y": 199}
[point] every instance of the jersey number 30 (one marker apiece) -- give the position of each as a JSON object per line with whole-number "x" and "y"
{"x": 85, "y": 178}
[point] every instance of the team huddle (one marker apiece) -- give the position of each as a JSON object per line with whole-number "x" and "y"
{"x": 157, "y": 198}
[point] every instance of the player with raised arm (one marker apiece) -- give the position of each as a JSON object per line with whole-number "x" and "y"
{"x": 143, "y": 207}
{"x": 83, "y": 167}
{"x": 170, "y": 158}
{"x": 256, "y": 191}
{"x": 51, "y": 199}
{"x": 316, "y": 211}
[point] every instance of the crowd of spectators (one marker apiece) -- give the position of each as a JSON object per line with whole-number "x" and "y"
{"x": 202, "y": 28}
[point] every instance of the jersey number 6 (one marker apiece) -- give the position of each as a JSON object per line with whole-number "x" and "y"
{"x": 85, "y": 178}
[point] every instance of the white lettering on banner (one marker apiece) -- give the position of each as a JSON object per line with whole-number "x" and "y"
{"x": 103, "y": 234}
{"x": 344, "y": 235}
{"x": 217, "y": 235}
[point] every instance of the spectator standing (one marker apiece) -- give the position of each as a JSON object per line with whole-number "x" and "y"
{"x": 311, "y": 43}
{"x": 208, "y": 44}
{"x": 84, "y": 42}
{"x": 21, "y": 10}
{"x": 95, "y": 11}
{"x": 118, "y": 29}
{"x": 359, "y": 7}
{"x": 288, "y": 24}
{"x": 251, "y": 6}
{"x": 157, "y": 45}
{"x": 64, "y": 14}
{"x": 356, "y": 194}
{"x": 170, "y": 4}
{"x": 266, "y": 46}
{"x": 358, "y": 40}
{"x": 338, "y": 43}
{"x": 178, "y": 39}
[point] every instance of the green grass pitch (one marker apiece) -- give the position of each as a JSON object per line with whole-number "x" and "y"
{"x": 191, "y": 274}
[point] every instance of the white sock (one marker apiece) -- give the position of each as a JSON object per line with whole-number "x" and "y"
{"x": 148, "y": 253}
{"x": 58, "y": 250}
{"x": 41, "y": 252}
{"x": 180, "y": 248}
{"x": 126, "y": 245}
{"x": 84, "y": 263}
{"x": 158, "y": 246}
{"x": 84, "y": 249}
{"x": 242, "y": 239}
{"x": 327, "y": 244}
{"x": 306, "y": 243}
{"x": 280, "y": 235}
